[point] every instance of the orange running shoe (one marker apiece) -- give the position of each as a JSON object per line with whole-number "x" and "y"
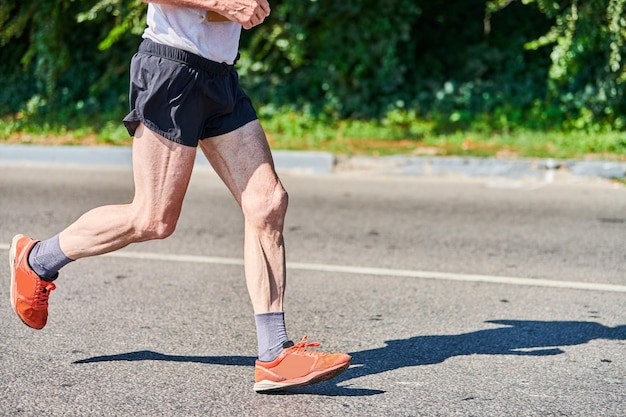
{"x": 29, "y": 293}
{"x": 296, "y": 366}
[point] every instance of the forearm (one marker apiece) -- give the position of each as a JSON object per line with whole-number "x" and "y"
{"x": 248, "y": 13}
{"x": 197, "y": 4}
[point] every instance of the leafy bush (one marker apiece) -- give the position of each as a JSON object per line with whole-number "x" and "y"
{"x": 56, "y": 60}
{"x": 487, "y": 66}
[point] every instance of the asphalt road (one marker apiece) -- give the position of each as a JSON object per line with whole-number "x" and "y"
{"x": 454, "y": 297}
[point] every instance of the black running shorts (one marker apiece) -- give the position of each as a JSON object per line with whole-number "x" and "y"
{"x": 184, "y": 97}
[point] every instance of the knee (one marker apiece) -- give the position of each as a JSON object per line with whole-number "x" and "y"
{"x": 266, "y": 210}
{"x": 151, "y": 227}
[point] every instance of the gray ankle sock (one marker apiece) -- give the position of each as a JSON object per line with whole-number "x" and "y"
{"x": 271, "y": 334}
{"x": 46, "y": 258}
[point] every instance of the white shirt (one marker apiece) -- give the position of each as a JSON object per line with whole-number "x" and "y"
{"x": 188, "y": 29}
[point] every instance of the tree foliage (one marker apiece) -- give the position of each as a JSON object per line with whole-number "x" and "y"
{"x": 58, "y": 56}
{"x": 343, "y": 58}
{"x": 587, "y": 44}
{"x": 499, "y": 64}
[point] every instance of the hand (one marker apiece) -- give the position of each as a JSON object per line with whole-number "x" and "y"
{"x": 249, "y": 13}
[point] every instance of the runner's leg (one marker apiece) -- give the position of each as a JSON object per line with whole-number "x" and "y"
{"x": 161, "y": 171}
{"x": 243, "y": 160}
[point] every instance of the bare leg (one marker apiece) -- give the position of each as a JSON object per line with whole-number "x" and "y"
{"x": 161, "y": 171}
{"x": 244, "y": 162}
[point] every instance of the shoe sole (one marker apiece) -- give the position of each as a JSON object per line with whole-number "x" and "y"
{"x": 12, "y": 254}
{"x": 268, "y": 387}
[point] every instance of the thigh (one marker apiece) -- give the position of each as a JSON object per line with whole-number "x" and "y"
{"x": 161, "y": 171}
{"x": 243, "y": 160}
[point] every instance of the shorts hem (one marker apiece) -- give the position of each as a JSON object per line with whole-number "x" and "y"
{"x": 131, "y": 122}
{"x": 243, "y": 114}
{"x": 229, "y": 129}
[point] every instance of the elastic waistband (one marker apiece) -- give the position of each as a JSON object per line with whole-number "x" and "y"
{"x": 179, "y": 55}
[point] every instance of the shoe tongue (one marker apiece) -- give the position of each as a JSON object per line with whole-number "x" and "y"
{"x": 288, "y": 344}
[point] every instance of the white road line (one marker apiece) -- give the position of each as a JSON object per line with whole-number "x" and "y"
{"x": 445, "y": 276}
{"x": 384, "y": 272}
{"x": 404, "y": 273}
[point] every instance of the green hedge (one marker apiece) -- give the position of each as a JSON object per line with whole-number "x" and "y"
{"x": 495, "y": 65}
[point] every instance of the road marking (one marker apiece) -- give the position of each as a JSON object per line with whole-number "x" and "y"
{"x": 442, "y": 276}
{"x": 356, "y": 270}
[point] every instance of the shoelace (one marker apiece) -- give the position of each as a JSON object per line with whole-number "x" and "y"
{"x": 301, "y": 346}
{"x": 42, "y": 292}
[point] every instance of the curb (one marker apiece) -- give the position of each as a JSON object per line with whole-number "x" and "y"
{"x": 65, "y": 155}
{"x": 121, "y": 156}
{"x": 549, "y": 169}
{"x": 316, "y": 163}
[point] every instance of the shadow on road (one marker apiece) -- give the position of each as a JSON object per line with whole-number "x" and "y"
{"x": 515, "y": 337}
{"x": 148, "y": 355}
